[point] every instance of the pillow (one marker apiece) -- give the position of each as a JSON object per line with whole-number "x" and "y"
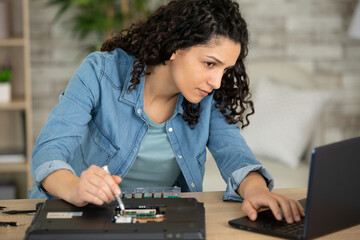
{"x": 283, "y": 122}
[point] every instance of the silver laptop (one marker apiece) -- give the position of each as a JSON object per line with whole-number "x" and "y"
{"x": 333, "y": 198}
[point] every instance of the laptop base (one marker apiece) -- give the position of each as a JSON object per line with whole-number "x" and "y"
{"x": 172, "y": 218}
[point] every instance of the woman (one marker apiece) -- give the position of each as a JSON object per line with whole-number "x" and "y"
{"x": 149, "y": 104}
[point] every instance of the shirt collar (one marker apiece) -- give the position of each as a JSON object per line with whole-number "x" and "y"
{"x": 132, "y": 98}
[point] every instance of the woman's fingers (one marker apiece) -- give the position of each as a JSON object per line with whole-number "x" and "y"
{"x": 90, "y": 198}
{"x": 117, "y": 179}
{"x": 286, "y": 209}
{"x": 298, "y": 209}
{"x": 251, "y": 206}
{"x": 275, "y": 208}
{"x": 302, "y": 211}
{"x": 89, "y": 184}
{"x": 112, "y": 185}
{"x": 290, "y": 208}
{"x": 99, "y": 186}
{"x": 279, "y": 205}
{"x": 249, "y": 210}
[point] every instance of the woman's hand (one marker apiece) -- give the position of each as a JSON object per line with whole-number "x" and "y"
{"x": 258, "y": 198}
{"x": 256, "y": 195}
{"x": 94, "y": 186}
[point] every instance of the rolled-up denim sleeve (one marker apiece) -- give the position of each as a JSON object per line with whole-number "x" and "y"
{"x": 48, "y": 167}
{"x": 238, "y": 176}
{"x": 42, "y": 172}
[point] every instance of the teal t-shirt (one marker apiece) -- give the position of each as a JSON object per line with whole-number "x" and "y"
{"x": 155, "y": 165}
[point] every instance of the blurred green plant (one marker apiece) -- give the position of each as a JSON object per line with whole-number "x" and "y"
{"x": 100, "y": 17}
{"x": 5, "y": 72}
{"x": 5, "y": 75}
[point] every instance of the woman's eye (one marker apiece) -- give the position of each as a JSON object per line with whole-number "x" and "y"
{"x": 209, "y": 64}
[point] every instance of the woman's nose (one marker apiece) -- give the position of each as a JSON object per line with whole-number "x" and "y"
{"x": 215, "y": 81}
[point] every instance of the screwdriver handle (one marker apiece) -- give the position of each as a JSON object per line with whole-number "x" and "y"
{"x": 118, "y": 198}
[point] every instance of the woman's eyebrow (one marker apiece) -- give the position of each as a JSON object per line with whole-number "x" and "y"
{"x": 217, "y": 60}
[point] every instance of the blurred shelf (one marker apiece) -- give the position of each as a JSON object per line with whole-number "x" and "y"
{"x": 16, "y": 104}
{"x": 12, "y": 42}
{"x": 13, "y": 167}
{"x": 18, "y": 132}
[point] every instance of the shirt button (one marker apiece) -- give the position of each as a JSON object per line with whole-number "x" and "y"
{"x": 139, "y": 111}
{"x": 179, "y": 156}
{"x": 135, "y": 149}
{"x": 192, "y": 185}
{"x": 97, "y": 140}
{"x": 170, "y": 129}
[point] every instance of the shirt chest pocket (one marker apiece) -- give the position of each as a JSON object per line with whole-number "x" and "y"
{"x": 97, "y": 148}
{"x": 201, "y": 158}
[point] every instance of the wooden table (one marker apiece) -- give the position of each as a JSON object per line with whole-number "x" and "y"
{"x": 217, "y": 212}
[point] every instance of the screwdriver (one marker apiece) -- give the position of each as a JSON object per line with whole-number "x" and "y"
{"x": 11, "y": 224}
{"x": 118, "y": 198}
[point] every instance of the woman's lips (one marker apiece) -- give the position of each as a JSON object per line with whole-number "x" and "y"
{"x": 203, "y": 92}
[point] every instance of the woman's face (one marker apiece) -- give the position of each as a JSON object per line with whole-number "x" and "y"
{"x": 196, "y": 71}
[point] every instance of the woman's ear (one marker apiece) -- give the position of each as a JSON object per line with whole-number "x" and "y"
{"x": 173, "y": 56}
{"x": 178, "y": 52}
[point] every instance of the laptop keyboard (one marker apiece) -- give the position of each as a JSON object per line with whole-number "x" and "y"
{"x": 282, "y": 226}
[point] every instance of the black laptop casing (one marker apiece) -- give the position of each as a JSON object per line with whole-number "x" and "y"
{"x": 184, "y": 219}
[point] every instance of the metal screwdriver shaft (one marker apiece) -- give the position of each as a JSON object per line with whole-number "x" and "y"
{"x": 118, "y": 198}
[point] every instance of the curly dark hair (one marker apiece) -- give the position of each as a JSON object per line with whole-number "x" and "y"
{"x": 182, "y": 24}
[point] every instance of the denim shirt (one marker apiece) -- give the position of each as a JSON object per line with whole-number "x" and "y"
{"x": 98, "y": 121}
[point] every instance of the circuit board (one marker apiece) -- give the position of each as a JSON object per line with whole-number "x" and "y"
{"x": 140, "y": 214}
{"x": 151, "y": 192}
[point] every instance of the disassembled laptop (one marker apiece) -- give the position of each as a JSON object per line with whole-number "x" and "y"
{"x": 150, "y": 213}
